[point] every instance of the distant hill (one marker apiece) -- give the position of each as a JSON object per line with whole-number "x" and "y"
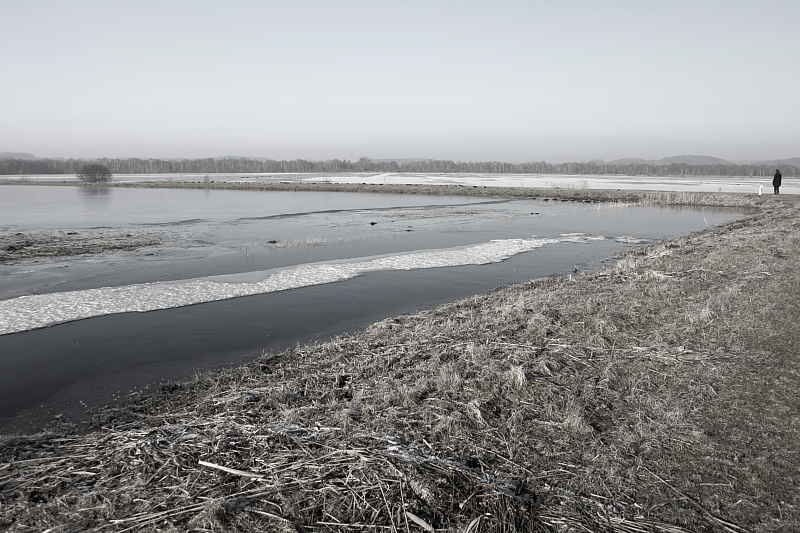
{"x": 792, "y": 161}
{"x": 629, "y": 161}
{"x": 16, "y": 155}
{"x": 677, "y": 159}
{"x": 692, "y": 160}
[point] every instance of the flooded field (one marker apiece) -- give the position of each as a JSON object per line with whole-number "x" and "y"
{"x": 728, "y": 184}
{"x": 234, "y": 273}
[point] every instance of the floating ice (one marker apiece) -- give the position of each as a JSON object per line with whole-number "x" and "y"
{"x": 631, "y": 240}
{"x": 30, "y": 312}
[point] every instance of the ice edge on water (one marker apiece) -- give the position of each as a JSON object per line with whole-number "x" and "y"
{"x": 30, "y": 312}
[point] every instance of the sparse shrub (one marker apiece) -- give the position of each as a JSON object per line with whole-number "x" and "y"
{"x": 95, "y": 173}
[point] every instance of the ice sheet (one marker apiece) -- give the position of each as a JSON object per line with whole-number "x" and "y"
{"x": 738, "y": 184}
{"x": 30, "y": 312}
{"x": 573, "y": 181}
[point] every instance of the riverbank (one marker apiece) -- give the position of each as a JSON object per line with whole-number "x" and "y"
{"x": 657, "y": 395}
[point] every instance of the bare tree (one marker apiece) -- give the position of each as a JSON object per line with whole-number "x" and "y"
{"x": 94, "y": 173}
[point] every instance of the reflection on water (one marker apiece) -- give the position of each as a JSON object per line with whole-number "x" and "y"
{"x": 41, "y": 208}
{"x": 95, "y": 192}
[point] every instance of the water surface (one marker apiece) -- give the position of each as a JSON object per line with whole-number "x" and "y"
{"x": 222, "y": 286}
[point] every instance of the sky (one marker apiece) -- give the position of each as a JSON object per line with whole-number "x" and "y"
{"x": 515, "y": 81}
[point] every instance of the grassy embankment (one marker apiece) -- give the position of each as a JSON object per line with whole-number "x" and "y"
{"x": 657, "y": 395}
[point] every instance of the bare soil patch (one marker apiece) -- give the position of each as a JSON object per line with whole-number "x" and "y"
{"x": 657, "y": 395}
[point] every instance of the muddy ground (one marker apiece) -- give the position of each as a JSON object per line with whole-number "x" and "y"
{"x": 657, "y": 395}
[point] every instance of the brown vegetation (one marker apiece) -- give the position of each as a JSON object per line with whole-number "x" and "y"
{"x": 657, "y": 395}
{"x": 94, "y": 173}
{"x": 62, "y": 244}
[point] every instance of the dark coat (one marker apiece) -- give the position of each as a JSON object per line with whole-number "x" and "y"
{"x": 776, "y": 181}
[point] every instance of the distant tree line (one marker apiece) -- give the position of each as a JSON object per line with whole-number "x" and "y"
{"x": 365, "y": 164}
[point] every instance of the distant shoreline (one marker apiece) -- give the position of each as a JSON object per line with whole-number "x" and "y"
{"x": 732, "y": 199}
{"x": 686, "y": 165}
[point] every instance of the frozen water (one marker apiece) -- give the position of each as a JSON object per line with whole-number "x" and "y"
{"x": 388, "y": 254}
{"x": 586, "y": 181}
{"x": 35, "y": 311}
{"x": 576, "y": 181}
{"x": 226, "y": 244}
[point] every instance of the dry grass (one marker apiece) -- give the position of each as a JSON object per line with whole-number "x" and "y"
{"x": 657, "y": 395}
{"x": 62, "y": 244}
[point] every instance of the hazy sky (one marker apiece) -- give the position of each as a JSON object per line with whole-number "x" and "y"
{"x": 494, "y": 80}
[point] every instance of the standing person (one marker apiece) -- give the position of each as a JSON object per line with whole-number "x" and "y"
{"x": 776, "y": 181}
